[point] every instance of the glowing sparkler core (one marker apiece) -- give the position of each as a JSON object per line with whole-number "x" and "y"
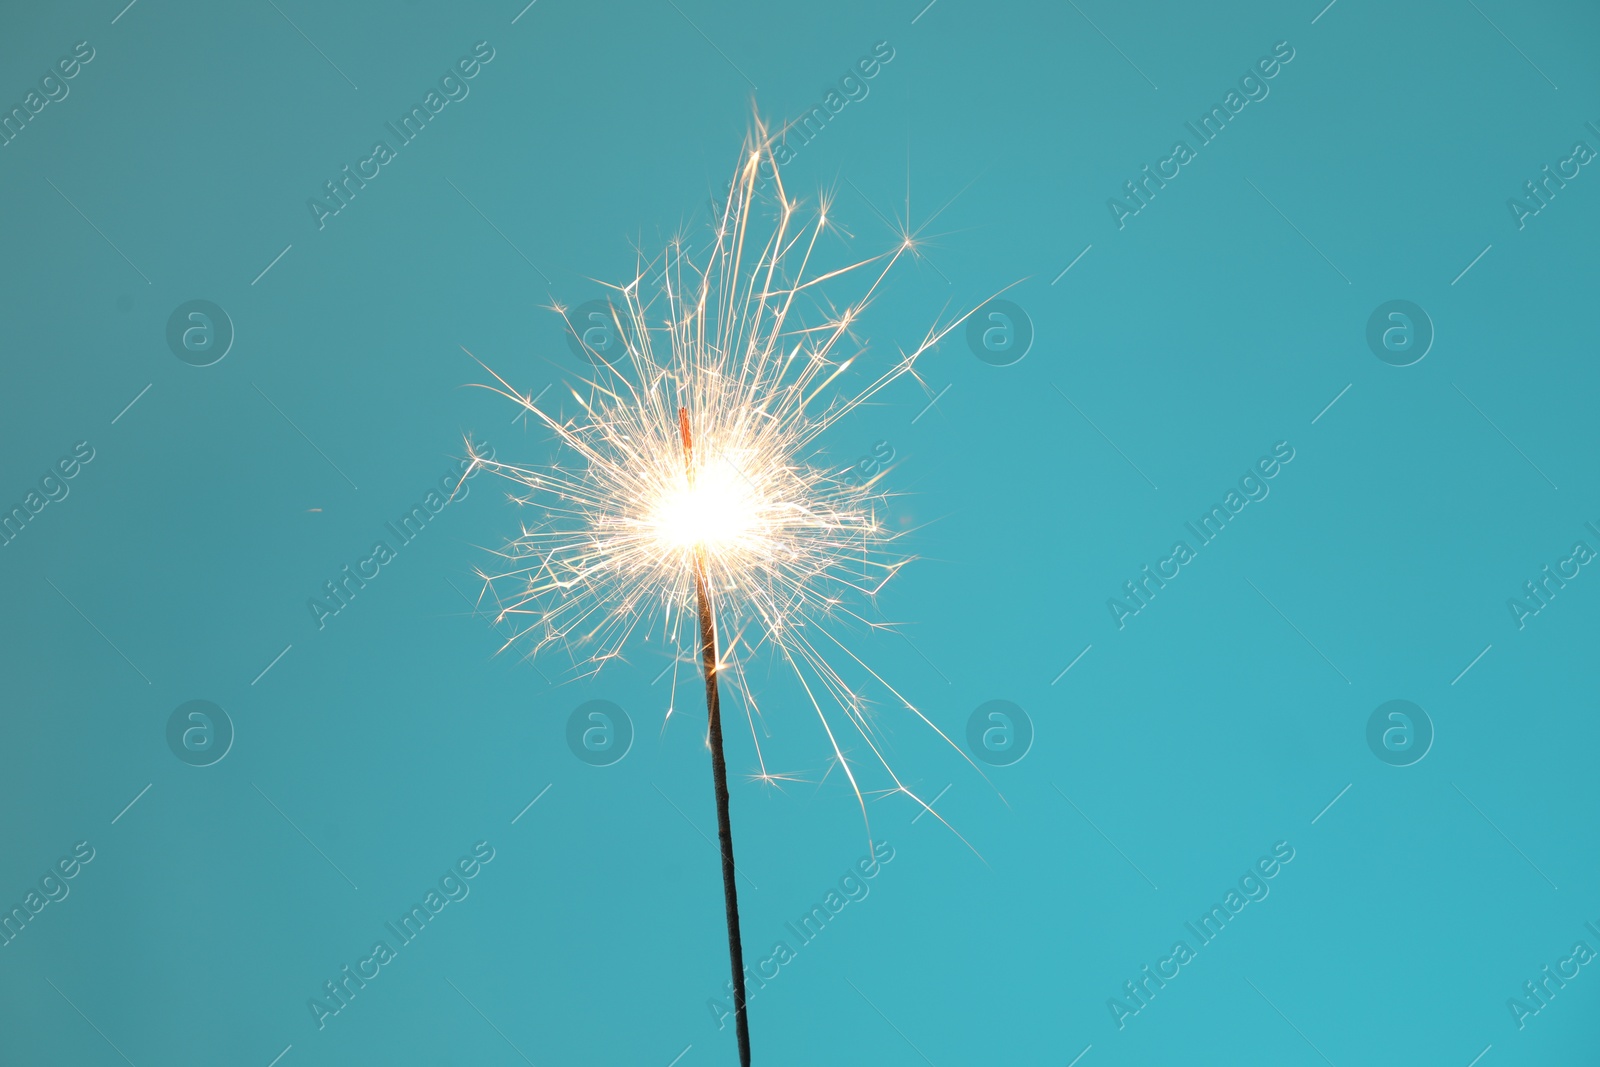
{"x": 718, "y": 511}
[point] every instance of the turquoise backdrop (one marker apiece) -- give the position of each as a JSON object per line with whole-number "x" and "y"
{"x": 1320, "y": 276}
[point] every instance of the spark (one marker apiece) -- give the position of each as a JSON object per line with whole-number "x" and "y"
{"x": 747, "y": 340}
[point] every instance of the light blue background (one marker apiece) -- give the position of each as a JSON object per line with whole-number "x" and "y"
{"x": 1195, "y": 338}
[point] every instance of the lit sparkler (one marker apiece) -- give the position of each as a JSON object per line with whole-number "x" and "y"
{"x": 697, "y": 508}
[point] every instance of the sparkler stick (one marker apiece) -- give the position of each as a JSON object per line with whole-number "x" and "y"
{"x": 719, "y": 765}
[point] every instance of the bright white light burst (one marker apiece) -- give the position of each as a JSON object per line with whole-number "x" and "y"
{"x": 748, "y": 347}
